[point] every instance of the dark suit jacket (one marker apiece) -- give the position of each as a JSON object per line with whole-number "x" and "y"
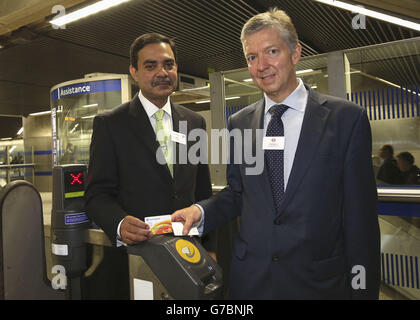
{"x": 124, "y": 177}
{"x": 328, "y": 219}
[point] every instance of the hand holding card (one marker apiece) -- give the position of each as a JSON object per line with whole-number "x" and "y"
{"x": 159, "y": 224}
{"x": 162, "y": 224}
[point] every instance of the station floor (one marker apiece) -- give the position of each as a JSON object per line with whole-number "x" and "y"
{"x": 386, "y": 292}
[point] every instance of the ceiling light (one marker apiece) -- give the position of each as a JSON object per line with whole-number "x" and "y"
{"x": 228, "y": 98}
{"x": 40, "y": 113}
{"x": 199, "y": 88}
{"x": 90, "y": 105}
{"x": 371, "y": 13}
{"x": 20, "y": 131}
{"x": 204, "y": 101}
{"x": 72, "y": 130}
{"x": 248, "y": 80}
{"x": 304, "y": 71}
{"x": 86, "y": 11}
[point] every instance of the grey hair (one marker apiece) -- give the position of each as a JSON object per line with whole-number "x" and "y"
{"x": 274, "y": 18}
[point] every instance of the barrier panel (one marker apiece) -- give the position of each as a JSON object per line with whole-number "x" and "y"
{"x": 22, "y": 248}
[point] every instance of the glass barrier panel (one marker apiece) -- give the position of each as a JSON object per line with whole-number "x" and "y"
{"x": 385, "y": 81}
{"x": 74, "y": 120}
{"x": 240, "y": 91}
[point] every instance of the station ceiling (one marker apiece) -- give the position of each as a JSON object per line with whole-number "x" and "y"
{"x": 36, "y": 57}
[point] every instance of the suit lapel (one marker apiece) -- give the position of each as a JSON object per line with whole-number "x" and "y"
{"x": 312, "y": 130}
{"x": 140, "y": 124}
{"x": 177, "y": 116}
{"x": 257, "y": 122}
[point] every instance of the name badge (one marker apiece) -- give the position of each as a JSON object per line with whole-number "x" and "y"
{"x": 178, "y": 137}
{"x": 273, "y": 143}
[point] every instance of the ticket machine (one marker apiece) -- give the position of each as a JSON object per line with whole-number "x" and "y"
{"x": 68, "y": 225}
{"x": 167, "y": 267}
{"x": 164, "y": 267}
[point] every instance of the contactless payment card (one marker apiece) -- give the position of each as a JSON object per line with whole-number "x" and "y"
{"x": 159, "y": 224}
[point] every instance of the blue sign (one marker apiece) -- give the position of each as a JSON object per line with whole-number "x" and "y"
{"x": 75, "y": 218}
{"x": 85, "y": 88}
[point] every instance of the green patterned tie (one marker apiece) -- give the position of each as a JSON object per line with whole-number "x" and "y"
{"x": 163, "y": 138}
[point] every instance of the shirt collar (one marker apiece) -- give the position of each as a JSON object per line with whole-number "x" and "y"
{"x": 296, "y": 100}
{"x": 151, "y": 108}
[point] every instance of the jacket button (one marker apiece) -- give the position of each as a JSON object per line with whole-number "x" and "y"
{"x": 275, "y": 258}
{"x": 277, "y": 222}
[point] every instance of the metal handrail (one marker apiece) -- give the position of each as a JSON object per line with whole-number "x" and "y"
{"x": 399, "y": 194}
{"x": 18, "y": 165}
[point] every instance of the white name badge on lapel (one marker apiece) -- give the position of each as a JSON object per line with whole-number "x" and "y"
{"x": 273, "y": 143}
{"x": 178, "y": 137}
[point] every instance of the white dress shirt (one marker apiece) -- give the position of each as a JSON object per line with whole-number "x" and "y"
{"x": 292, "y": 122}
{"x": 151, "y": 109}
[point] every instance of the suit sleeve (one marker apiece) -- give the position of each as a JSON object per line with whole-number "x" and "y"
{"x": 361, "y": 227}
{"x": 203, "y": 191}
{"x": 102, "y": 187}
{"x": 226, "y": 205}
{"x": 203, "y": 188}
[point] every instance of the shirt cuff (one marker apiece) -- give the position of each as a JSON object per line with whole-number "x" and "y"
{"x": 119, "y": 242}
{"x": 200, "y": 226}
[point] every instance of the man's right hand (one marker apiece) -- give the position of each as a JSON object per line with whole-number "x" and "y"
{"x": 188, "y": 216}
{"x": 133, "y": 230}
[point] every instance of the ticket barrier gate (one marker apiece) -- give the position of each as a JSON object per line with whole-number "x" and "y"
{"x": 167, "y": 267}
{"x": 176, "y": 267}
{"x": 68, "y": 225}
{"x": 23, "y": 273}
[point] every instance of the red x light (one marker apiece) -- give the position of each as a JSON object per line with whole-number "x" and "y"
{"x": 77, "y": 179}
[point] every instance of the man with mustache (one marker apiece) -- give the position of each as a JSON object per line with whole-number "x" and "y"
{"x": 126, "y": 182}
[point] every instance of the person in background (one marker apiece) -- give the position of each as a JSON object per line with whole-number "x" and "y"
{"x": 410, "y": 173}
{"x": 388, "y": 171}
{"x": 308, "y": 223}
{"x": 69, "y": 154}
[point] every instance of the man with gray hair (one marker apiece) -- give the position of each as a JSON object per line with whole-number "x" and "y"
{"x": 309, "y": 226}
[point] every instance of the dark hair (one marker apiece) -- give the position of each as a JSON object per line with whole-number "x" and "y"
{"x": 388, "y": 148}
{"x": 407, "y": 156}
{"x": 144, "y": 40}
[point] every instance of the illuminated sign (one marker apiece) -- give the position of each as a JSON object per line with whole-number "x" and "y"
{"x": 86, "y": 88}
{"x": 74, "y": 184}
